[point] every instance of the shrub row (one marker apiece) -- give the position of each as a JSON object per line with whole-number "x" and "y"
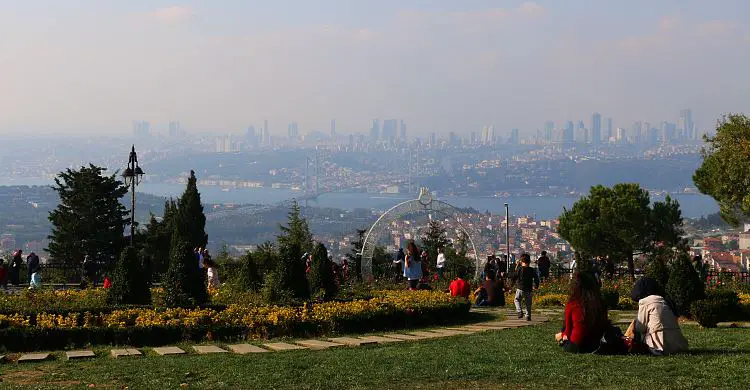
{"x": 387, "y": 310}
{"x": 719, "y": 305}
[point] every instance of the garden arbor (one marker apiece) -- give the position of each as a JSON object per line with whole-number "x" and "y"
{"x": 424, "y": 204}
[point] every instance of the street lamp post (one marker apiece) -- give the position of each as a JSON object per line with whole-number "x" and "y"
{"x": 507, "y": 232}
{"x": 132, "y": 175}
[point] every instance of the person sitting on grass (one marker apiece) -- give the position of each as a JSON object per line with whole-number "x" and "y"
{"x": 585, "y": 316}
{"x": 490, "y": 292}
{"x": 459, "y": 288}
{"x": 656, "y": 328}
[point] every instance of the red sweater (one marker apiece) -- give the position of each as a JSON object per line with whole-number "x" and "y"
{"x": 576, "y": 329}
{"x": 459, "y": 288}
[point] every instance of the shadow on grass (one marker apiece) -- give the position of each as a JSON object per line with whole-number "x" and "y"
{"x": 716, "y": 351}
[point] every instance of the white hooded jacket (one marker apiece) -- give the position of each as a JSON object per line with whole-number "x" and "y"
{"x": 658, "y": 326}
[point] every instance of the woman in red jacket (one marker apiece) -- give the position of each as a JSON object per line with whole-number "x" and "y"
{"x": 585, "y": 316}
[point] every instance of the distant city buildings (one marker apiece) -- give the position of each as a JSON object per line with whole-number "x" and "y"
{"x": 141, "y": 129}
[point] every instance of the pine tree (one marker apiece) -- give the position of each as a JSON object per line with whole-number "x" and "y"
{"x": 294, "y": 241}
{"x": 184, "y": 283}
{"x": 321, "y": 277}
{"x": 158, "y": 239}
{"x": 189, "y": 219}
{"x": 90, "y": 219}
{"x": 130, "y": 284}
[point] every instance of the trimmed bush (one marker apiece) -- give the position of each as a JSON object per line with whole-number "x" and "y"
{"x": 549, "y": 300}
{"x": 611, "y": 298}
{"x": 684, "y": 287}
{"x": 727, "y": 303}
{"x": 184, "y": 283}
{"x": 130, "y": 281}
{"x": 322, "y": 282}
{"x": 706, "y": 312}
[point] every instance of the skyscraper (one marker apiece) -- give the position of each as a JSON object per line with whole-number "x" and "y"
{"x": 402, "y": 132}
{"x": 265, "y": 137}
{"x": 514, "y": 137}
{"x": 685, "y": 125}
{"x": 375, "y": 131}
{"x": 141, "y": 129}
{"x": 293, "y": 131}
{"x": 609, "y": 129}
{"x": 389, "y": 131}
{"x": 549, "y": 128}
{"x": 333, "y": 130}
{"x": 596, "y": 128}
{"x": 174, "y": 129}
{"x": 568, "y": 135}
{"x": 637, "y": 131}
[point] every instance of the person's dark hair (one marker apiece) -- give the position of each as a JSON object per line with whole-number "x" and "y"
{"x": 644, "y": 287}
{"x": 544, "y": 253}
{"x": 411, "y": 247}
{"x": 525, "y": 258}
{"x": 490, "y": 275}
{"x": 585, "y": 290}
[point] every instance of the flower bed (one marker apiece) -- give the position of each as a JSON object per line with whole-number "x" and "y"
{"x": 150, "y": 326}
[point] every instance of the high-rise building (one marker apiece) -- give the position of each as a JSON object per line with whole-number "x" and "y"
{"x": 433, "y": 140}
{"x": 568, "y": 135}
{"x": 375, "y": 131}
{"x": 141, "y": 129}
{"x": 596, "y": 128}
{"x": 293, "y": 131}
{"x": 251, "y": 139}
{"x": 514, "y": 137}
{"x": 549, "y": 128}
{"x": 637, "y": 131}
{"x": 332, "y": 135}
{"x": 685, "y": 125}
{"x": 402, "y": 132}
{"x": 174, "y": 129}
{"x": 389, "y": 131}
{"x": 620, "y": 136}
{"x": 488, "y": 135}
{"x": 265, "y": 136}
{"x": 609, "y": 129}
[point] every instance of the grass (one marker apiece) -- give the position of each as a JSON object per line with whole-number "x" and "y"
{"x": 511, "y": 358}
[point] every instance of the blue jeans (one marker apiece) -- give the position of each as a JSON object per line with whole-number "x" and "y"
{"x": 527, "y": 296}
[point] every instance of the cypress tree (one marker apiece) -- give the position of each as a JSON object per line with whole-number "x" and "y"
{"x": 321, "y": 277}
{"x": 189, "y": 219}
{"x": 184, "y": 283}
{"x": 129, "y": 282}
{"x": 90, "y": 219}
{"x": 295, "y": 240}
{"x": 684, "y": 286}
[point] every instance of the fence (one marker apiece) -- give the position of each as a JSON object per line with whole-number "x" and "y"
{"x": 715, "y": 278}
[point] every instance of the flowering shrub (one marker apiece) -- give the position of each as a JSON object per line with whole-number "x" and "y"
{"x": 387, "y": 309}
{"x": 626, "y": 303}
{"x": 551, "y": 300}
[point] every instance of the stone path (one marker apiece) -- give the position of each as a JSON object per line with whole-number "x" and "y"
{"x": 313, "y": 344}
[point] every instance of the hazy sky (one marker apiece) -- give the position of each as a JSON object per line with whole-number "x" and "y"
{"x": 93, "y": 66}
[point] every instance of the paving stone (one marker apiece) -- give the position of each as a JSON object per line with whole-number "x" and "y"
{"x": 125, "y": 352}
{"x": 623, "y": 321}
{"x": 168, "y": 351}
{"x": 404, "y": 337}
{"x": 380, "y": 339}
{"x": 70, "y": 355}
{"x": 351, "y": 341}
{"x": 283, "y": 346}
{"x": 33, "y": 357}
{"x": 451, "y": 332}
{"x": 429, "y": 335}
{"x": 204, "y": 349}
{"x": 689, "y": 323}
{"x": 318, "y": 344}
{"x": 246, "y": 348}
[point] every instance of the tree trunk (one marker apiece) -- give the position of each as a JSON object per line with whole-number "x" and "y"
{"x": 631, "y": 266}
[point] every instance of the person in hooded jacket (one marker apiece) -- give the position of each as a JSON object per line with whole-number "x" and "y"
{"x": 656, "y": 327}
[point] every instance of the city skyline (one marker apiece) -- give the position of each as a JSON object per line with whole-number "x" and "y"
{"x": 439, "y": 66}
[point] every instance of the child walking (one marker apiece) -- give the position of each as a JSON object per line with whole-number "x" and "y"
{"x": 526, "y": 280}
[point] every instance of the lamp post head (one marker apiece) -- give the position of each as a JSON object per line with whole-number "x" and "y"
{"x": 133, "y": 173}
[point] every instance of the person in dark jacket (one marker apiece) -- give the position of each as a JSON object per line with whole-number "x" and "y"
{"x": 526, "y": 280}
{"x": 15, "y": 268}
{"x": 32, "y": 261}
{"x": 544, "y": 264}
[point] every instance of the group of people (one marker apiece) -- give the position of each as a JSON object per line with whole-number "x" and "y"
{"x": 11, "y": 273}
{"x": 655, "y": 330}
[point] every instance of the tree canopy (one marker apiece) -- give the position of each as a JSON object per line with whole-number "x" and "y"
{"x": 619, "y": 221}
{"x": 189, "y": 220}
{"x": 90, "y": 219}
{"x": 725, "y": 171}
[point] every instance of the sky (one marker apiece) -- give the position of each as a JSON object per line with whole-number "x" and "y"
{"x": 94, "y": 66}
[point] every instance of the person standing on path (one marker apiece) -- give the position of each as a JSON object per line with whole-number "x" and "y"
{"x": 15, "y": 267}
{"x": 32, "y": 263}
{"x": 3, "y": 274}
{"x": 412, "y": 265}
{"x": 543, "y": 264}
{"x": 440, "y": 263}
{"x": 526, "y": 280}
{"x": 398, "y": 264}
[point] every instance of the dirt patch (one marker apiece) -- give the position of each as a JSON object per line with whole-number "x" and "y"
{"x": 33, "y": 377}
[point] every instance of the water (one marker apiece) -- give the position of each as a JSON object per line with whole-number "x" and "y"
{"x": 693, "y": 206}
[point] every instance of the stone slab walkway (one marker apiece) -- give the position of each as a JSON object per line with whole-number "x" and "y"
{"x": 315, "y": 344}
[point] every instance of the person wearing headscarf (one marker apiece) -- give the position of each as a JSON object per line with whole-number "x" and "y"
{"x": 656, "y": 325}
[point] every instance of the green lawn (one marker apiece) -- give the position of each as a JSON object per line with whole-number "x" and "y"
{"x": 511, "y": 358}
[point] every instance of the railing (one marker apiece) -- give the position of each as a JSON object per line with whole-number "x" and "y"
{"x": 714, "y": 278}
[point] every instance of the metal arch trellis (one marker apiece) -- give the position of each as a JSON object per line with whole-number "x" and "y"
{"x": 424, "y": 203}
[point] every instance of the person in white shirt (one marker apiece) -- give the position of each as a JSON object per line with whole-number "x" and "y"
{"x": 440, "y": 262}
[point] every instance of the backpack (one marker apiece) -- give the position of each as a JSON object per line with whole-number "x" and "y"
{"x": 612, "y": 342}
